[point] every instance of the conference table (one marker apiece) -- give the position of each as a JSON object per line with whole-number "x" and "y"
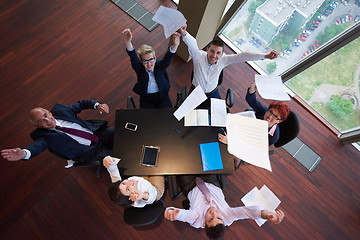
{"x": 179, "y": 145}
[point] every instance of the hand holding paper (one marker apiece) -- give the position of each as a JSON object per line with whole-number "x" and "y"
{"x": 267, "y": 200}
{"x": 171, "y": 19}
{"x": 248, "y": 140}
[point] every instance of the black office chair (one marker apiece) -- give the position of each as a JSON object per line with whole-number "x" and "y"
{"x": 180, "y": 97}
{"x": 289, "y": 129}
{"x": 97, "y": 164}
{"x": 138, "y": 217}
{"x": 130, "y": 102}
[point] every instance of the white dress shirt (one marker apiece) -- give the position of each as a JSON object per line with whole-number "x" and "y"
{"x": 206, "y": 75}
{"x": 195, "y": 216}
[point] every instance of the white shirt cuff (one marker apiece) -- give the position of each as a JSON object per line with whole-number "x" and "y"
{"x": 96, "y": 105}
{"x": 28, "y": 154}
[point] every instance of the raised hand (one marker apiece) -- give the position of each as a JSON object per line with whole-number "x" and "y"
{"x": 272, "y": 55}
{"x": 171, "y": 214}
{"x": 103, "y": 108}
{"x": 13, "y": 154}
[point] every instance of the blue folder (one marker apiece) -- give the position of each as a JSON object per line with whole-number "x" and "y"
{"x": 211, "y": 156}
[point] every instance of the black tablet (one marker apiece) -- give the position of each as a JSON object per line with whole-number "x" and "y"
{"x": 150, "y": 155}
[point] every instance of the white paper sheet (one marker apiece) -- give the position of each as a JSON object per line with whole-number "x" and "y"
{"x": 218, "y": 112}
{"x": 248, "y": 140}
{"x": 271, "y": 87}
{"x": 264, "y": 198}
{"x": 196, "y": 97}
{"x": 171, "y": 19}
{"x": 197, "y": 117}
{"x": 250, "y": 114}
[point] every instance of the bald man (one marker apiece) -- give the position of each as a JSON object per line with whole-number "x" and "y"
{"x": 93, "y": 143}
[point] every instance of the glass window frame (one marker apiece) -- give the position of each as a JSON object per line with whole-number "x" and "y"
{"x": 333, "y": 45}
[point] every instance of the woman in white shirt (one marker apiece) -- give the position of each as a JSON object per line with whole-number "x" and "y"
{"x": 135, "y": 191}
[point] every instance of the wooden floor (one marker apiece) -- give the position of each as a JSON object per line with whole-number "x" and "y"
{"x": 62, "y": 51}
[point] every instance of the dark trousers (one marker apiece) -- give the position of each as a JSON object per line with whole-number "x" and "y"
{"x": 102, "y": 148}
{"x": 187, "y": 182}
{"x": 153, "y": 100}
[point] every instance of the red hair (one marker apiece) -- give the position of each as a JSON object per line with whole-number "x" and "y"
{"x": 283, "y": 108}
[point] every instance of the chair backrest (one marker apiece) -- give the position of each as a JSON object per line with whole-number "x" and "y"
{"x": 289, "y": 129}
{"x": 138, "y": 217}
{"x": 229, "y": 98}
{"x": 130, "y": 102}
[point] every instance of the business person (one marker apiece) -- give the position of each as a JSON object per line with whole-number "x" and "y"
{"x": 134, "y": 191}
{"x": 152, "y": 84}
{"x": 208, "y": 208}
{"x": 209, "y": 64}
{"x": 66, "y": 134}
{"x": 274, "y": 114}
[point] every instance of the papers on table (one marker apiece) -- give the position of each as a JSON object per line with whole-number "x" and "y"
{"x": 196, "y": 97}
{"x": 211, "y": 156}
{"x": 248, "y": 140}
{"x": 264, "y": 198}
{"x": 199, "y": 117}
{"x": 271, "y": 87}
{"x": 218, "y": 112}
{"x": 171, "y": 19}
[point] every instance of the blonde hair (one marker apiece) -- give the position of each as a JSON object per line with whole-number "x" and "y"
{"x": 145, "y": 49}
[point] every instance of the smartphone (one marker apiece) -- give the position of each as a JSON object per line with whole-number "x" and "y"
{"x": 131, "y": 126}
{"x": 150, "y": 155}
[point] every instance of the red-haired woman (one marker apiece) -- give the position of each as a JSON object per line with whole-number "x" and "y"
{"x": 276, "y": 113}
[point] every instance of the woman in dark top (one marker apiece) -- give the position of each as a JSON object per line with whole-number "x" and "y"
{"x": 276, "y": 113}
{"x": 152, "y": 83}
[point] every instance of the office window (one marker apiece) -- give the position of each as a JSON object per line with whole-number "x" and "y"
{"x": 299, "y": 29}
{"x": 331, "y": 87}
{"x": 296, "y": 28}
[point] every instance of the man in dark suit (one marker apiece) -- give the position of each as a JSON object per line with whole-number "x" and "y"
{"x": 152, "y": 84}
{"x": 93, "y": 145}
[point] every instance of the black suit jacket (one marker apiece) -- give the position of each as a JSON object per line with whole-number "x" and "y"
{"x": 60, "y": 142}
{"x": 159, "y": 72}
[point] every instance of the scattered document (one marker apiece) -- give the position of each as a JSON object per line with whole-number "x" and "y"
{"x": 218, "y": 112}
{"x": 271, "y": 87}
{"x": 248, "y": 140}
{"x": 197, "y": 117}
{"x": 250, "y": 114}
{"x": 211, "y": 156}
{"x": 170, "y": 19}
{"x": 196, "y": 97}
{"x": 264, "y": 198}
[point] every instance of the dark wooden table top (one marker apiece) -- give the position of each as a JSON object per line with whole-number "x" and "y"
{"x": 179, "y": 145}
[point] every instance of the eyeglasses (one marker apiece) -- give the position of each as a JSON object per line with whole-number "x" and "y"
{"x": 275, "y": 116}
{"x": 148, "y": 60}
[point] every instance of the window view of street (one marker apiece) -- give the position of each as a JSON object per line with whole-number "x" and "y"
{"x": 297, "y": 28}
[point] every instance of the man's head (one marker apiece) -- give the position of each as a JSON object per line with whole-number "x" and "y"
{"x": 215, "y": 50}
{"x": 41, "y": 118}
{"x": 117, "y": 196}
{"x": 214, "y": 224}
{"x": 147, "y": 57}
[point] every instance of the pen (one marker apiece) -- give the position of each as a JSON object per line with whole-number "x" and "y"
{"x": 175, "y": 130}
